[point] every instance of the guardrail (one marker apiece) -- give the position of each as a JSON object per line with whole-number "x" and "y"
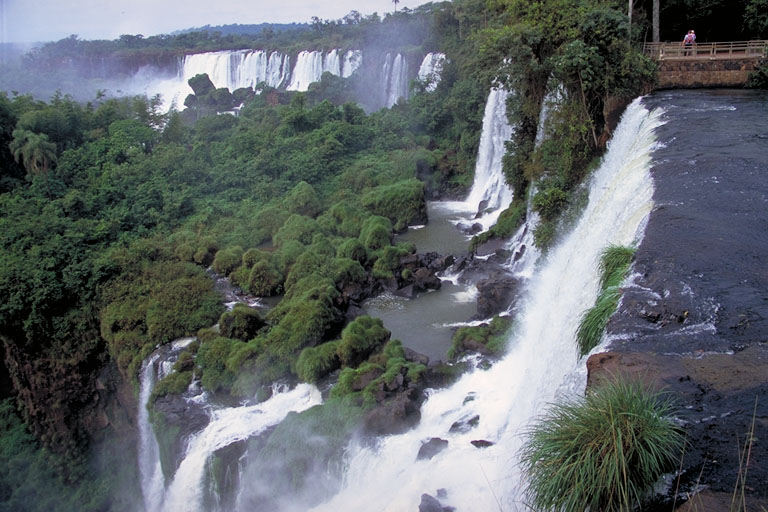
{"x": 724, "y": 50}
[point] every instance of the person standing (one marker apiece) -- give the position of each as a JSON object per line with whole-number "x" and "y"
{"x": 688, "y": 40}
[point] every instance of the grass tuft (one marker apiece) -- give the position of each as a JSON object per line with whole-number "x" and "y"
{"x": 614, "y": 265}
{"x": 602, "y": 452}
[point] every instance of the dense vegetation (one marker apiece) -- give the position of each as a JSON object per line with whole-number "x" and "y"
{"x": 111, "y": 210}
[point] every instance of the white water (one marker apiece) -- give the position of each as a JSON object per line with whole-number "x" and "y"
{"x": 395, "y": 76}
{"x": 248, "y": 68}
{"x": 430, "y": 70}
{"x": 150, "y": 470}
{"x": 541, "y": 358}
{"x": 489, "y": 184}
{"x": 227, "y": 426}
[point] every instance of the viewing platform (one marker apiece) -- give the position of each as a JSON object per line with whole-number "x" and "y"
{"x": 723, "y": 64}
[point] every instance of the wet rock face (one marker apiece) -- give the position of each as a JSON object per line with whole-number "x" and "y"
{"x": 496, "y": 293}
{"x": 694, "y": 322}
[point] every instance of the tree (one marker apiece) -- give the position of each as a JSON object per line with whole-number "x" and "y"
{"x": 36, "y": 152}
{"x": 395, "y": 2}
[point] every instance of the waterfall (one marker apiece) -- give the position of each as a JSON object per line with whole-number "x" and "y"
{"x": 353, "y": 59}
{"x": 332, "y": 63}
{"x": 150, "y": 470}
{"x": 430, "y": 69}
{"x": 155, "y": 367}
{"x": 227, "y": 426}
{"x": 490, "y": 190}
{"x": 395, "y": 78}
{"x": 541, "y": 359}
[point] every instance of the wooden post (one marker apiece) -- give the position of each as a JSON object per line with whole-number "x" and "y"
{"x": 655, "y": 21}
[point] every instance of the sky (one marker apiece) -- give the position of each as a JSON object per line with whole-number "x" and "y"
{"x": 51, "y": 20}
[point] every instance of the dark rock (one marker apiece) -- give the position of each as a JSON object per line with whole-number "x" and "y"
{"x": 353, "y": 311}
{"x": 442, "y": 493}
{"x": 429, "y": 504}
{"x": 431, "y": 448}
{"x": 496, "y": 294}
{"x": 462, "y": 426}
{"x": 408, "y": 292}
{"x": 481, "y": 443}
{"x": 425, "y": 279}
{"x": 481, "y": 208}
{"x": 415, "y": 357}
{"x": 366, "y": 378}
{"x": 395, "y": 415}
{"x": 471, "y": 229}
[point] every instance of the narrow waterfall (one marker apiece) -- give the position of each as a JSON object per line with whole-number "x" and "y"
{"x": 430, "y": 70}
{"x": 353, "y": 59}
{"x": 495, "y": 405}
{"x": 150, "y": 470}
{"x": 155, "y": 367}
{"x": 332, "y": 63}
{"x": 227, "y": 426}
{"x": 490, "y": 191}
{"x": 395, "y": 76}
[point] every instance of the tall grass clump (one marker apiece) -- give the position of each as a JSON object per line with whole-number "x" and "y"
{"x": 602, "y": 452}
{"x": 614, "y": 265}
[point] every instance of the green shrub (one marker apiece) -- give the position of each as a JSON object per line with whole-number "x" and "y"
{"x": 271, "y": 218}
{"x": 403, "y": 203}
{"x": 303, "y": 200}
{"x": 227, "y": 260}
{"x": 376, "y": 232}
{"x": 264, "y": 279}
{"x": 315, "y": 363}
{"x": 603, "y": 452}
{"x": 344, "y": 219}
{"x": 550, "y": 202}
{"x": 287, "y": 254}
{"x": 544, "y": 235}
{"x": 353, "y": 249}
{"x": 614, "y": 265}
{"x": 252, "y": 256}
{"x": 297, "y": 227}
{"x": 240, "y": 323}
{"x": 388, "y": 259}
{"x": 212, "y": 359}
{"x": 347, "y": 271}
{"x": 492, "y": 336}
{"x": 360, "y": 339}
{"x": 172, "y": 384}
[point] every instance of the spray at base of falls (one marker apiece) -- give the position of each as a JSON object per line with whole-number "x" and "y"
{"x": 227, "y": 426}
{"x": 542, "y": 355}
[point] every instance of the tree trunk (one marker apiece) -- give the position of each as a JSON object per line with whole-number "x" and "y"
{"x": 655, "y": 22}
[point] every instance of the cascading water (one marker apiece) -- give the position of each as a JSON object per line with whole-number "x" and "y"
{"x": 353, "y": 59}
{"x": 430, "y": 70}
{"x": 154, "y": 368}
{"x": 495, "y": 405}
{"x": 395, "y": 76}
{"x": 227, "y": 426}
{"x": 308, "y": 69}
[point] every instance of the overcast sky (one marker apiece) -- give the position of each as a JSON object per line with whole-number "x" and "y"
{"x": 51, "y": 20}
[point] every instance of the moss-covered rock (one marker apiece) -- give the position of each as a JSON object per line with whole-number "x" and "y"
{"x": 403, "y": 203}
{"x": 241, "y": 323}
{"x": 314, "y": 363}
{"x": 360, "y": 339}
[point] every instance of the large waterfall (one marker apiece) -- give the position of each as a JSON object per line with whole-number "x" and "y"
{"x": 395, "y": 78}
{"x": 541, "y": 361}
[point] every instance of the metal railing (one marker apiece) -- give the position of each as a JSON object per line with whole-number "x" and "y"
{"x": 725, "y": 50}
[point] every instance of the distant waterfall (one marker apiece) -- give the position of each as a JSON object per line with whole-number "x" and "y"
{"x": 353, "y": 59}
{"x": 496, "y": 404}
{"x": 430, "y": 70}
{"x": 395, "y": 79}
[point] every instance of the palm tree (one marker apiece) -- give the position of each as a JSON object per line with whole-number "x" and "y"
{"x": 37, "y": 153}
{"x": 395, "y": 2}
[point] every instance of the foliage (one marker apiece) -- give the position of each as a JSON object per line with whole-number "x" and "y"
{"x": 240, "y": 323}
{"x": 212, "y": 360}
{"x": 174, "y": 383}
{"x": 492, "y": 337}
{"x": 614, "y": 265}
{"x": 360, "y": 339}
{"x": 603, "y": 452}
{"x": 403, "y": 203}
{"x": 315, "y": 363}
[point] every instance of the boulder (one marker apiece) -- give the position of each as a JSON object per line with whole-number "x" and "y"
{"x": 464, "y": 425}
{"x": 481, "y": 443}
{"x": 429, "y": 504}
{"x": 431, "y": 448}
{"x": 201, "y": 84}
{"x": 496, "y": 293}
{"x": 394, "y": 416}
{"x": 424, "y": 279}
